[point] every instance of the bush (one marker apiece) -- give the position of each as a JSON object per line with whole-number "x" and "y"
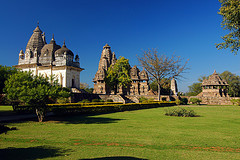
{"x": 195, "y": 101}
{"x": 143, "y": 99}
{"x": 62, "y": 100}
{"x": 96, "y": 100}
{"x": 183, "y": 101}
{"x": 236, "y": 102}
{"x": 180, "y": 112}
{"x": 106, "y": 108}
{"x": 164, "y": 99}
{"x": 109, "y": 100}
{"x": 84, "y": 101}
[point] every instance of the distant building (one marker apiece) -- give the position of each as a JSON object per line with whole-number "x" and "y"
{"x": 215, "y": 91}
{"x": 50, "y": 60}
{"x": 139, "y": 86}
{"x": 214, "y": 86}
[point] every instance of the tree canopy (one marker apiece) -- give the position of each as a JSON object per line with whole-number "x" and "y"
{"x": 119, "y": 74}
{"x": 5, "y": 72}
{"x": 35, "y": 91}
{"x": 160, "y": 66}
{"x": 234, "y": 83}
{"x": 230, "y": 11}
{"x": 196, "y": 87}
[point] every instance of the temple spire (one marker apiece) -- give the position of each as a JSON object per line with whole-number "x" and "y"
{"x": 64, "y": 45}
{"x": 52, "y": 40}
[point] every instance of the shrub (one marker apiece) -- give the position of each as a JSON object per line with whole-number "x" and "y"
{"x": 96, "y": 100}
{"x": 236, "y": 102}
{"x": 106, "y": 108}
{"x": 84, "y": 101}
{"x": 109, "y": 100}
{"x": 62, "y": 100}
{"x": 180, "y": 112}
{"x": 195, "y": 101}
{"x": 183, "y": 101}
{"x": 164, "y": 99}
{"x": 143, "y": 99}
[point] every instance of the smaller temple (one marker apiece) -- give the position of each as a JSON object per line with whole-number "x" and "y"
{"x": 214, "y": 86}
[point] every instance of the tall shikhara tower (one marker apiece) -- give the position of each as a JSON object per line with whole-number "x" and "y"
{"x": 139, "y": 85}
{"x": 107, "y": 59}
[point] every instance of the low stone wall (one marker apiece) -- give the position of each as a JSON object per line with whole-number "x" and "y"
{"x": 215, "y": 100}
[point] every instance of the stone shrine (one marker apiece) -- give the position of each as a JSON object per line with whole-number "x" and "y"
{"x": 214, "y": 86}
{"x": 50, "y": 59}
{"x": 139, "y": 86}
{"x": 214, "y": 91}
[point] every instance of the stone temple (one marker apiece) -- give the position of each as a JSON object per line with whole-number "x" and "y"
{"x": 214, "y": 86}
{"x": 139, "y": 86}
{"x": 214, "y": 91}
{"x": 50, "y": 60}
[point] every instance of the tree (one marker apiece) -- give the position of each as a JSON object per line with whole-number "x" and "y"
{"x": 234, "y": 83}
{"x": 5, "y": 72}
{"x": 160, "y": 66}
{"x": 230, "y": 11}
{"x": 34, "y": 91}
{"x": 118, "y": 75}
{"x": 196, "y": 88}
{"x": 165, "y": 86}
{"x": 86, "y": 87}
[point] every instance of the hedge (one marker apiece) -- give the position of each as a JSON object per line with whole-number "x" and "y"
{"x": 98, "y": 107}
{"x": 83, "y": 104}
{"x": 108, "y": 108}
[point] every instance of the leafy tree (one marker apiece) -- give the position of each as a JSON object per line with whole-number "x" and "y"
{"x": 34, "y": 91}
{"x": 86, "y": 87}
{"x": 5, "y": 72}
{"x": 119, "y": 74}
{"x": 234, "y": 83}
{"x": 159, "y": 66}
{"x": 194, "y": 89}
{"x": 165, "y": 86}
{"x": 230, "y": 11}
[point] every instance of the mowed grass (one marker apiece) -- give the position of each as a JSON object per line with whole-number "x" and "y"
{"x": 141, "y": 134}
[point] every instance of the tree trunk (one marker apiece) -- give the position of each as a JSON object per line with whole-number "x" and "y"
{"x": 40, "y": 114}
{"x": 159, "y": 91}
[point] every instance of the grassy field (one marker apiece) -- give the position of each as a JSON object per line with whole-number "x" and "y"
{"x": 133, "y": 135}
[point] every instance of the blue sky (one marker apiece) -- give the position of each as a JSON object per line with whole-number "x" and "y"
{"x": 187, "y": 28}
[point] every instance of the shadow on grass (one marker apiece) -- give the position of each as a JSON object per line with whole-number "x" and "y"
{"x": 80, "y": 119}
{"x": 5, "y": 129}
{"x": 116, "y": 158}
{"x": 30, "y": 153}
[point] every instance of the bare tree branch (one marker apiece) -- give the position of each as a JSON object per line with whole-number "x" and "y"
{"x": 160, "y": 66}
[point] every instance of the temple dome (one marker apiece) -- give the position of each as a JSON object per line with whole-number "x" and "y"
{"x": 64, "y": 50}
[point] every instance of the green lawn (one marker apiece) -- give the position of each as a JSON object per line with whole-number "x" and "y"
{"x": 141, "y": 134}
